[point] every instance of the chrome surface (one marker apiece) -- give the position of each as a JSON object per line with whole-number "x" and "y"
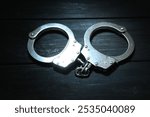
{"x": 97, "y": 58}
{"x": 67, "y": 56}
{"x": 72, "y": 50}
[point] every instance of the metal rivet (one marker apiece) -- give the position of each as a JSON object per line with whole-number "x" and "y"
{"x": 105, "y": 62}
{"x": 96, "y": 63}
{"x": 86, "y": 46}
{"x": 88, "y": 58}
{"x": 74, "y": 41}
{"x": 32, "y": 34}
{"x": 111, "y": 62}
{"x": 78, "y": 52}
{"x": 122, "y": 28}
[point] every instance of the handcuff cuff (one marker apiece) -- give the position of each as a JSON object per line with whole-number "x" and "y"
{"x": 74, "y": 49}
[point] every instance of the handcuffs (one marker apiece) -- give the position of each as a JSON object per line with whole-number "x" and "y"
{"x": 74, "y": 49}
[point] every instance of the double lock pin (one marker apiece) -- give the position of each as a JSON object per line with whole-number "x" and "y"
{"x": 74, "y": 49}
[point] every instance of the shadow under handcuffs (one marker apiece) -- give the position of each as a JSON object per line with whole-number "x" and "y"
{"x": 73, "y": 66}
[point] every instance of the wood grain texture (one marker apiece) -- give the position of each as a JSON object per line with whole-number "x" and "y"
{"x": 128, "y": 81}
{"x": 16, "y": 40}
{"x": 74, "y": 9}
{"x": 24, "y": 78}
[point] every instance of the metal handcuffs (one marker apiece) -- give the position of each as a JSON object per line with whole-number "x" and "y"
{"x": 73, "y": 48}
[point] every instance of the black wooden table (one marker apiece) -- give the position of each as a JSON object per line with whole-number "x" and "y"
{"x": 24, "y": 78}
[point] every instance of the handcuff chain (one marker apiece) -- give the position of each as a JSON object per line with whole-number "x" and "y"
{"x": 84, "y": 69}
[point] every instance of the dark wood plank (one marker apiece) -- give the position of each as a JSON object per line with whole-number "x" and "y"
{"x": 73, "y": 9}
{"x": 24, "y": 78}
{"x": 14, "y": 37}
{"x": 128, "y": 81}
